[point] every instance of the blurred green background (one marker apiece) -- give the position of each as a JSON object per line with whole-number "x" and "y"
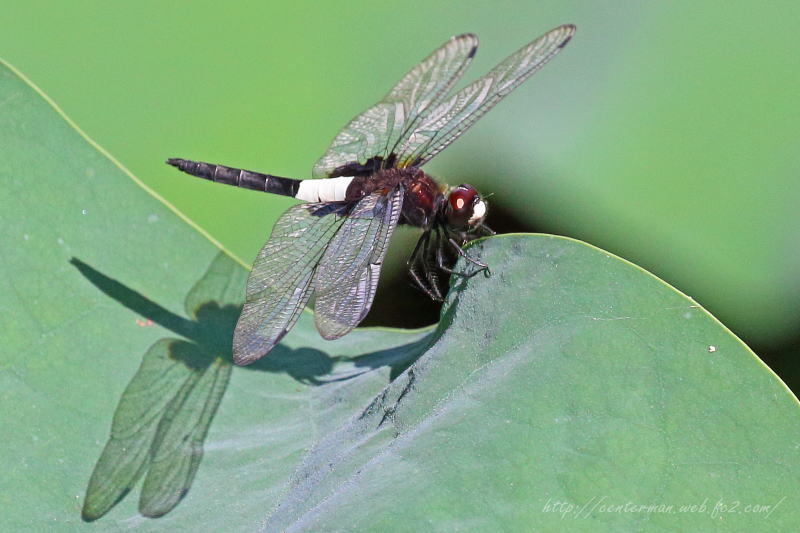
{"x": 666, "y": 132}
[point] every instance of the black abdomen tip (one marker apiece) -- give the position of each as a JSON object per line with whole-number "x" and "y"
{"x": 175, "y": 162}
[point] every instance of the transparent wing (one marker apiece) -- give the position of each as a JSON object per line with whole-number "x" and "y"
{"x": 446, "y": 121}
{"x": 348, "y": 272}
{"x": 374, "y": 133}
{"x": 279, "y": 285}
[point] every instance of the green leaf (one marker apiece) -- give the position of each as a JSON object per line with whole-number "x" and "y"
{"x": 568, "y": 383}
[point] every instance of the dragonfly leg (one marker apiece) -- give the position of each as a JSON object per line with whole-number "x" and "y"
{"x": 422, "y": 280}
{"x": 422, "y": 286}
{"x": 414, "y": 257}
{"x": 440, "y": 264}
{"x": 486, "y": 230}
{"x": 428, "y": 261}
{"x": 483, "y": 267}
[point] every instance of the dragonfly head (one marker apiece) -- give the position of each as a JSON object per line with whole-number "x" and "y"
{"x": 465, "y": 209}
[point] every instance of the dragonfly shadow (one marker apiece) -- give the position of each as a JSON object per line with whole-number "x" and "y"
{"x": 305, "y": 365}
{"x": 210, "y": 331}
{"x": 164, "y": 414}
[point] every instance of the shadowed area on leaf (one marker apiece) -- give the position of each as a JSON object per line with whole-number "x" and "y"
{"x": 211, "y": 330}
{"x": 164, "y": 414}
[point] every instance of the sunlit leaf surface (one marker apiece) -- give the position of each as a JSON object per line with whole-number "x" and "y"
{"x": 569, "y": 380}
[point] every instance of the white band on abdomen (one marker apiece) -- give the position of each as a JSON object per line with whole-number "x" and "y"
{"x": 324, "y": 190}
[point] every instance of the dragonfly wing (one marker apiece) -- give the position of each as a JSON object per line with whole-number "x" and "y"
{"x": 347, "y": 276}
{"x": 446, "y": 121}
{"x": 280, "y": 283}
{"x": 368, "y": 140}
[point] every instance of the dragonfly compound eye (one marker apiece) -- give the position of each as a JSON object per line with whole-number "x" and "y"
{"x": 465, "y": 207}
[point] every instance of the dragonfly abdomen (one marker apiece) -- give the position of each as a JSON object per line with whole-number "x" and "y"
{"x": 325, "y": 190}
{"x": 238, "y": 177}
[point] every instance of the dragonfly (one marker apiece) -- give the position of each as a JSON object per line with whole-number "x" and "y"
{"x": 332, "y": 245}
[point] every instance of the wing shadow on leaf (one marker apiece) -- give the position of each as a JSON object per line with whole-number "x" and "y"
{"x": 164, "y": 414}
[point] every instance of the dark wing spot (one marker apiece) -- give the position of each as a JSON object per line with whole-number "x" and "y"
{"x": 568, "y": 39}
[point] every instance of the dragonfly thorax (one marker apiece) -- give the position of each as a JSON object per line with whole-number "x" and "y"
{"x": 422, "y": 198}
